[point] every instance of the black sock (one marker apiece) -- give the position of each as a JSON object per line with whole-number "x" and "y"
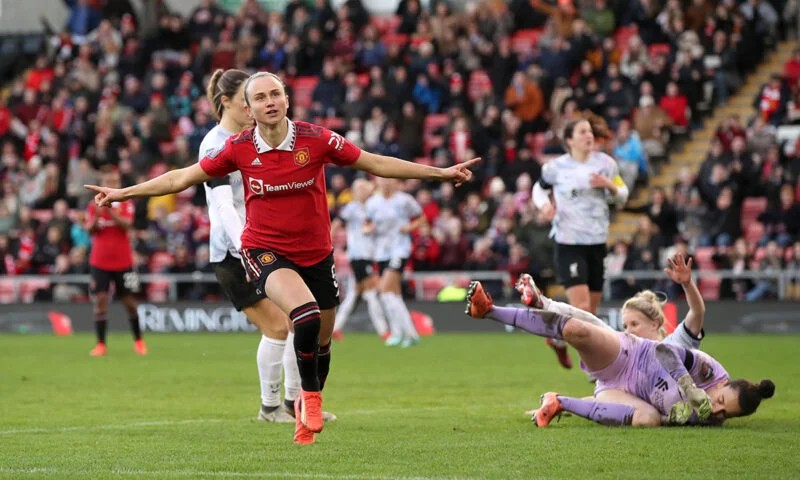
{"x": 290, "y": 405}
{"x": 100, "y": 327}
{"x": 134, "y": 321}
{"x": 323, "y": 364}
{"x": 306, "y": 321}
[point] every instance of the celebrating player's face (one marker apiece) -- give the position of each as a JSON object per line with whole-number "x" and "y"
{"x": 268, "y": 100}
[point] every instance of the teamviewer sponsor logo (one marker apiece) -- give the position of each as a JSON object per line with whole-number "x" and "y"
{"x": 258, "y": 187}
{"x": 288, "y": 186}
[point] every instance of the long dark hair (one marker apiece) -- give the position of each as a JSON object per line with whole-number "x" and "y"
{"x": 224, "y": 83}
{"x": 751, "y": 394}
{"x": 596, "y": 123}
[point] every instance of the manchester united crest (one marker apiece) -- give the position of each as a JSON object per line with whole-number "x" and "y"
{"x": 266, "y": 258}
{"x": 302, "y": 157}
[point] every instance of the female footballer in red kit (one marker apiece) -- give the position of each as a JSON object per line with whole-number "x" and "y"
{"x": 286, "y": 243}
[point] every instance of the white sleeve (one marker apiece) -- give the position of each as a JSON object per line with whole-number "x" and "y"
{"x": 541, "y": 197}
{"x": 622, "y": 190}
{"x": 222, "y": 196}
{"x": 414, "y": 208}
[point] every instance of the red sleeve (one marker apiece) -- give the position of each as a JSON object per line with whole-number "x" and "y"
{"x": 219, "y": 161}
{"x": 338, "y": 149}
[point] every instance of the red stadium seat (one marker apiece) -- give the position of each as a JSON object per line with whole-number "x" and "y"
{"x": 435, "y": 121}
{"x": 709, "y": 287}
{"x": 431, "y": 286}
{"x": 385, "y": 24}
{"x": 395, "y": 39}
{"x": 761, "y": 253}
{"x": 751, "y": 209}
{"x": 659, "y": 49}
{"x": 7, "y": 294}
{"x": 462, "y": 281}
{"x": 159, "y": 261}
{"x": 28, "y": 289}
{"x": 158, "y": 291}
{"x": 42, "y": 216}
{"x": 753, "y": 232}
{"x": 623, "y": 35}
{"x": 363, "y": 79}
{"x": 303, "y": 90}
{"x": 702, "y": 255}
{"x": 479, "y": 82}
{"x": 525, "y": 40}
{"x": 331, "y": 123}
{"x": 429, "y": 143}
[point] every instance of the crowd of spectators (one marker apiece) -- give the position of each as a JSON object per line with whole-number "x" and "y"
{"x": 440, "y": 84}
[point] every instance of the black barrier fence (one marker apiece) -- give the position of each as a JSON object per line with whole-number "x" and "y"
{"x": 721, "y": 317}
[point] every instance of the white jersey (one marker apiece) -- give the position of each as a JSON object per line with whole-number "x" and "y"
{"x": 389, "y": 215}
{"x": 682, "y": 337}
{"x": 219, "y": 243}
{"x": 359, "y": 245}
{"x": 581, "y": 210}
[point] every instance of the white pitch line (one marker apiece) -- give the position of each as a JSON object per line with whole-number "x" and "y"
{"x": 194, "y": 474}
{"x": 125, "y": 426}
{"x": 121, "y": 426}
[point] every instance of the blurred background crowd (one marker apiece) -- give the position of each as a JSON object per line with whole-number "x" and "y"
{"x": 436, "y": 83}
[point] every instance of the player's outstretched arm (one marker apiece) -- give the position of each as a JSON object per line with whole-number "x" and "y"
{"x": 680, "y": 271}
{"x": 171, "y": 182}
{"x": 390, "y": 167}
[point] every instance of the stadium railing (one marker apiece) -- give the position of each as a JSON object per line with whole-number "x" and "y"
{"x": 20, "y": 288}
{"x": 426, "y": 285}
{"x": 783, "y": 278}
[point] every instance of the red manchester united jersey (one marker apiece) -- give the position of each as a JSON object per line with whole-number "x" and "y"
{"x": 111, "y": 247}
{"x": 284, "y": 188}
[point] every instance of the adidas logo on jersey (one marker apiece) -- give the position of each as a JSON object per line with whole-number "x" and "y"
{"x": 256, "y": 163}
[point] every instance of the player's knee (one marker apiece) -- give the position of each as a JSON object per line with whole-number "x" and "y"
{"x": 278, "y": 330}
{"x": 100, "y": 302}
{"x": 576, "y": 332}
{"x": 646, "y": 418}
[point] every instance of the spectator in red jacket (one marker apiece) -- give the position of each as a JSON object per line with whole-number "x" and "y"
{"x": 675, "y": 104}
{"x": 791, "y": 71}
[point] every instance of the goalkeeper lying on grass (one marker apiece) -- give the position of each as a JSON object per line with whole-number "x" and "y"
{"x": 640, "y": 382}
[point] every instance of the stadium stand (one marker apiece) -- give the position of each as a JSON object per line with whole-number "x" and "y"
{"x": 121, "y": 89}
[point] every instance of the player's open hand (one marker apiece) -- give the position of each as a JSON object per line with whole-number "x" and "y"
{"x": 679, "y": 270}
{"x": 106, "y": 196}
{"x": 460, "y": 173}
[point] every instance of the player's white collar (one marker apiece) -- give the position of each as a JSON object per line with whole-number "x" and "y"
{"x": 287, "y": 145}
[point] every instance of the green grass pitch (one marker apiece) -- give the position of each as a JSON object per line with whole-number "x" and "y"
{"x": 450, "y": 408}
